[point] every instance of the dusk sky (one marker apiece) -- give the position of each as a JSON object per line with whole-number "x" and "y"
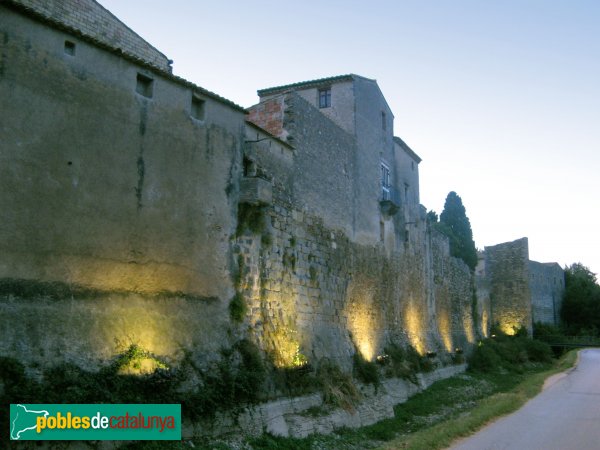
{"x": 501, "y": 99}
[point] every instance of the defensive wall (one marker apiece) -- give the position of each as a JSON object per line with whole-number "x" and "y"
{"x": 138, "y": 207}
{"x": 122, "y": 197}
{"x": 110, "y": 183}
{"x": 547, "y": 285}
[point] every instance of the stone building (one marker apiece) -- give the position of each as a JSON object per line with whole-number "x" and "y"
{"x": 352, "y": 172}
{"x": 547, "y": 286}
{"x": 139, "y": 207}
{"x": 515, "y": 292}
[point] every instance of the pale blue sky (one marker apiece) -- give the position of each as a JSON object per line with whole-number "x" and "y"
{"x": 501, "y": 99}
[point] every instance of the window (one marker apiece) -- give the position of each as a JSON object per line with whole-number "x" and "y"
{"x": 325, "y": 98}
{"x": 198, "y": 107}
{"x": 70, "y": 48}
{"x": 144, "y": 85}
{"x": 383, "y": 121}
{"x": 386, "y": 186}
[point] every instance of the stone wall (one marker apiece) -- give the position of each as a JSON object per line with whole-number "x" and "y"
{"x": 89, "y": 328}
{"x": 339, "y": 154}
{"x": 453, "y": 297}
{"x": 91, "y": 19}
{"x": 547, "y": 284}
{"x": 320, "y": 180}
{"x": 291, "y": 417}
{"x": 482, "y": 288}
{"x": 507, "y": 266}
{"x": 113, "y": 188}
{"x": 123, "y": 224}
{"x": 314, "y": 294}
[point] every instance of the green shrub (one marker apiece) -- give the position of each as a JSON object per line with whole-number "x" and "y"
{"x": 538, "y": 351}
{"x": 485, "y": 358}
{"x": 295, "y": 381}
{"x": 405, "y": 362}
{"x": 266, "y": 240}
{"x": 251, "y": 218}
{"x": 511, "y": 353}
{"x": 237, "y": 379}
{"x": 365, "y": 371}
{"x": 338, "y": 387}
{"x": 237, "y": 308}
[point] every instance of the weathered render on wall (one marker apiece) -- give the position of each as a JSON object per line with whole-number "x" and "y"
{"x": 111, "y": 180}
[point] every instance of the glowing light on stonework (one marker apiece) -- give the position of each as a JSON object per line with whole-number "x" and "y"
{"x": 414, "y": 328}
{"x": 510, "y": 322}
{"x": 509, "y": 328}
{"x": 468, "y": 327}
{"x": 366, "y": 350}
{"x": 363, "y": 326}
{"x": 485, "y": 323}
{"x": 445, "y": 330}
{"x": 286, "y": 349}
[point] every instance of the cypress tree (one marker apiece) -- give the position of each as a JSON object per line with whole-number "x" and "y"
{"x": 455, "y": 224}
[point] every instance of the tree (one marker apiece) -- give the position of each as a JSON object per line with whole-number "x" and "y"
{"x": 432, "y": 217}
{"x": 580, "y": 311}
{"x": 455, "y": 224}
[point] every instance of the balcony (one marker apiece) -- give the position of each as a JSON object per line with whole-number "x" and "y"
{"x": 389, "y": 201}
{"x": 256, "y": 191}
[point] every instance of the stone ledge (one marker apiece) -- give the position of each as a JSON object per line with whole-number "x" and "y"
{"x": 284, "y": 417}
{"x": 256, "y": 191}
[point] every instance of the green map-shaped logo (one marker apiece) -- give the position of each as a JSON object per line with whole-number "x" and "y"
{"x": 22, "y": 420}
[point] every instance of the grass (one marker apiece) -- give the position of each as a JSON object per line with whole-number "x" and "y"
{"x": 499, "y": 404}
{"x": 432, "y": 419}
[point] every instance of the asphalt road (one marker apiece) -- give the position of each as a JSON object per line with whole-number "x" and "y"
{"x": 564, "y": 416}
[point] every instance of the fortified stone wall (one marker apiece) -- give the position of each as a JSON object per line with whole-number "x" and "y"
{"x": 138, "y": 208}
{"x": 507, "y": 266}
{"x": 547, "y": 285}
{"x": 482, "y": 288}
{"x": 120, "y": 192}
{"x": 313, "y": 294}
{"x": 453, "y": 296}
{"x": 118, "y": 187}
